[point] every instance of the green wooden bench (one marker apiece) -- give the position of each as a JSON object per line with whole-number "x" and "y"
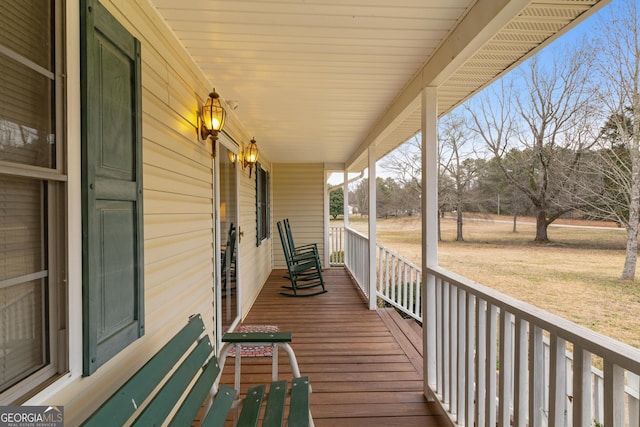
{"x": 141, "y": 402}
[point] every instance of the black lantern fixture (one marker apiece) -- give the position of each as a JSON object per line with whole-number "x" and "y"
{"x": 250, "y": 156}
{"x": 212, "y": 118}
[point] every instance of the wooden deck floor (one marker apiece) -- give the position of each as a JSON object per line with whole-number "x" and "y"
{"x": 363, "y": 370}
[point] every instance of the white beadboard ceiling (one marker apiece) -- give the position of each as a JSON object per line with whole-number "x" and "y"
{"x": 320, "y": 80}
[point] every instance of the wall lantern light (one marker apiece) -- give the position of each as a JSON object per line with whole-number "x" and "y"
{"x": 212, "y": 118}
{"x": 250, "y": 156}
{"x": 232, "y": 156}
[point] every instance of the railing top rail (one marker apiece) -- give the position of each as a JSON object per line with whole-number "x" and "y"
{"x": 611, "y": 350}
{"x": 357, "y": 233}
{"x": 400, "y": 257}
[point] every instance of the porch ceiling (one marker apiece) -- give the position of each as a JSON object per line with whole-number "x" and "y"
{"x": 320, "y": 81}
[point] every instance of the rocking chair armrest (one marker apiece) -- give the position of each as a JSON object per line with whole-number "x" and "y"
{"x": 313, "y": 246}
{"x": 304, "y": 256}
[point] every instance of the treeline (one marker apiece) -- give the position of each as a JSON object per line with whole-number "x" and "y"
{"x": 393, "y": 198}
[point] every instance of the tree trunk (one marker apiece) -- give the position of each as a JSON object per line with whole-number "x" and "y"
{"x": 515, "y": 222}
{"x": 459, "y": 226}
{"x": 631, "y": 255}
{"x": 541, "y": 228}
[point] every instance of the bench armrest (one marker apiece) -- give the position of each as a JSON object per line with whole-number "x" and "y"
{"x": 257, "y": 337}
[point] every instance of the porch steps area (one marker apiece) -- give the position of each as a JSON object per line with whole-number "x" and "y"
{"x": 408, "y": 334}
{"x": 365, "y": 366}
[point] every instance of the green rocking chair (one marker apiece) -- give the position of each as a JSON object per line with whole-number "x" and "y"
{"x": 305, "y": 271}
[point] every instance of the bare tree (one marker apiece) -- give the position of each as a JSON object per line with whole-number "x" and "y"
{"x": 359, "y": 195}
{"x": 498, "y": 194}
{"x": 539, "y": 131}
{"x": 457, "y": 157}
{"x": 618, "y": 158}
{"x": 405, "y": 165}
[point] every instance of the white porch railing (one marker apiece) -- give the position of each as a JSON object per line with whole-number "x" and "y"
{"x": 399, "y": 282}
{"x": 488, "y": 362}
{"x": 542, "y": 366}
{"x": 356, "y": 258}
{"x": 336, "y": 246}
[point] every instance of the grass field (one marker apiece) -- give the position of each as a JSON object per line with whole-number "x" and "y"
{"x": 575, "y": 276}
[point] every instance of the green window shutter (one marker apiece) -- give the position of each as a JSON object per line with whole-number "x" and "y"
{"x": 263, "y": 229}
{"x": 267, "y": 204}
{"x": 112, "y": 221}
{"x": 259, "y": 204}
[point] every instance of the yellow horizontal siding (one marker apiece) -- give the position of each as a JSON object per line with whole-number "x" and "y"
{"x": 298, "y": 194}
{"x": 175, "y": 126}
{"x": 157, "y": 226}
{"x": 158, "y": 202}
{"x": 177, "y": 199}
{"x": 255, "y": 261}
{"x": 164, "y": 156}
{"x": 171, "y": 181}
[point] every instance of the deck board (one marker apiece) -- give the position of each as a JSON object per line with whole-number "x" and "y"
{"x": 360, "y": 372}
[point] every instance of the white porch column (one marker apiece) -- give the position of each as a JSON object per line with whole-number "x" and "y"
{"x": 372, "y": 228}
{"x": 429, "y": 231}
{"x": 326, "y": 257}
{"x": 345, "y": 193}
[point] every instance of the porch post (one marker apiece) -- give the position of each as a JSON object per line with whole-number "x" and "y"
{"x": 345, "y": 208}
{"x": 326, "y": 253}
{"x": 372, "y": 227}
{"x": 429, "y": 232}
{"x": 345, "y": 194}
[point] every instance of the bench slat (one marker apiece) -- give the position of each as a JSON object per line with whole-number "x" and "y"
{"x": 299, "y": 404}
{"x": 166, "y": 398}
{"x": 241, "y": 337}
{"x": 193, "y": 402}
{"x": 251, "y": 407}
{"x": 122, "y": 404}
{"x": 120, "y": 407}
{"x": 219, "y": 411}
{"x": 274, "y": 414}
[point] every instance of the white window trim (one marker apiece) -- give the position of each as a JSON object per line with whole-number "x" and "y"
{"x": 74, "y": 208}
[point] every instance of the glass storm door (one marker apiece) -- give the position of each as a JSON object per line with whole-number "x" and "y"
{"x": 227, "y": 291}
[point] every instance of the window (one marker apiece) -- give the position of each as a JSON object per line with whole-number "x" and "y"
{"x": 263, "y": 230}
{"x": 32, "y": 189}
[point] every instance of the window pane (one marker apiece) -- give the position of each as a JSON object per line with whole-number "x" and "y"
{"x": 26, "y": 116}
{"x": 21, "y": 332}
{"x": 21, "y": 304}
{"x": 32, "y": 41}
{"x": 21, "y": 240}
